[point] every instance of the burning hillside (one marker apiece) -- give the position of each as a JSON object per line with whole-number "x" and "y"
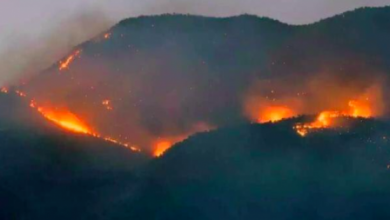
{"x": 299, "y": 118}
{"x": 329, "y": 95}
{"x": 149, "y": 84}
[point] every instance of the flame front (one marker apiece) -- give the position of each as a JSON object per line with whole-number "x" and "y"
{"x": 326, "y": 119}
{"x": 69, "y": 121}
{"x": 65, "y": 119}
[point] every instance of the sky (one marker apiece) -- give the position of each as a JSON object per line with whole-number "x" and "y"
{"x": 28, "y": 23}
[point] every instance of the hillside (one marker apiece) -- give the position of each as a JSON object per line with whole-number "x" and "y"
{"x": 227, "y": 94}
{"x": 165, "y": 75}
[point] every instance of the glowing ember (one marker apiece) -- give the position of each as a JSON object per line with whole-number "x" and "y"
{"x": 4, "y": 90}
{"x": 107, "y": 104}
{"x": 274, "y": 114}
{"x": 65, "y": 64}
{"x": 107, "y": 36}
{"x": 33, "y": 104}
{"x": 20, "y": 93}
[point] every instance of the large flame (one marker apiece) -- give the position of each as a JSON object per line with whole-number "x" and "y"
{"x": 161, "y": 147}
{"x": 274, "y": 114}
{"x": 65, "y": 119}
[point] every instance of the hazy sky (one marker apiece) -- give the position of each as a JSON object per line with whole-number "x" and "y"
{"x": 29, "y": 21}
{"x": 33, "y": 16}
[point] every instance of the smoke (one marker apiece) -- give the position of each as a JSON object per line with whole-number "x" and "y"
{"x": 358, "y": 86}
{"x": 26, "y": 55}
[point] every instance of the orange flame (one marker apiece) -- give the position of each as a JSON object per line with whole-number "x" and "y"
{"x": 161, "y": 147}
{"x": 65, "y": 119}
{"x": 326, "y": 118}
{"x": 65, "y": 65}
{"x": 274, "y": 114}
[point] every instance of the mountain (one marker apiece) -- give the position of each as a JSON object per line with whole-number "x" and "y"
{"x": 46, "y": 172}
{"x": 165, "y": 75}
{"x": 198, "y": 84}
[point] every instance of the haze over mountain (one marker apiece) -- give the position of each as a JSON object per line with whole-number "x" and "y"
{"x": 199, "y": 84}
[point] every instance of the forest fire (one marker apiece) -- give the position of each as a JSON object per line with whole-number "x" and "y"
{"x": 274, "y": 114}
{"x": 330, "y": 96}
{"x": 69, "y": 121}
{"x": 65, "y": 64}
{"x": 66, "y": 120}
{"x": 326, "y": 119}
{"x": 161, "y": 147}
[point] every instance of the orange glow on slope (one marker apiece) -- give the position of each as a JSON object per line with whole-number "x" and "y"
{"x": 161, "y": 145}
{"x": 65, "y": 64}
{"x": 274, "y": 114}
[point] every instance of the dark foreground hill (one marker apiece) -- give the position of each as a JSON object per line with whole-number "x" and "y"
{"x": 270, "y": 172}
{"x": 47, "y": 173}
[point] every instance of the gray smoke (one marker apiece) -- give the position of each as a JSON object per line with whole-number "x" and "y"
{"x": 24, "y": 56}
